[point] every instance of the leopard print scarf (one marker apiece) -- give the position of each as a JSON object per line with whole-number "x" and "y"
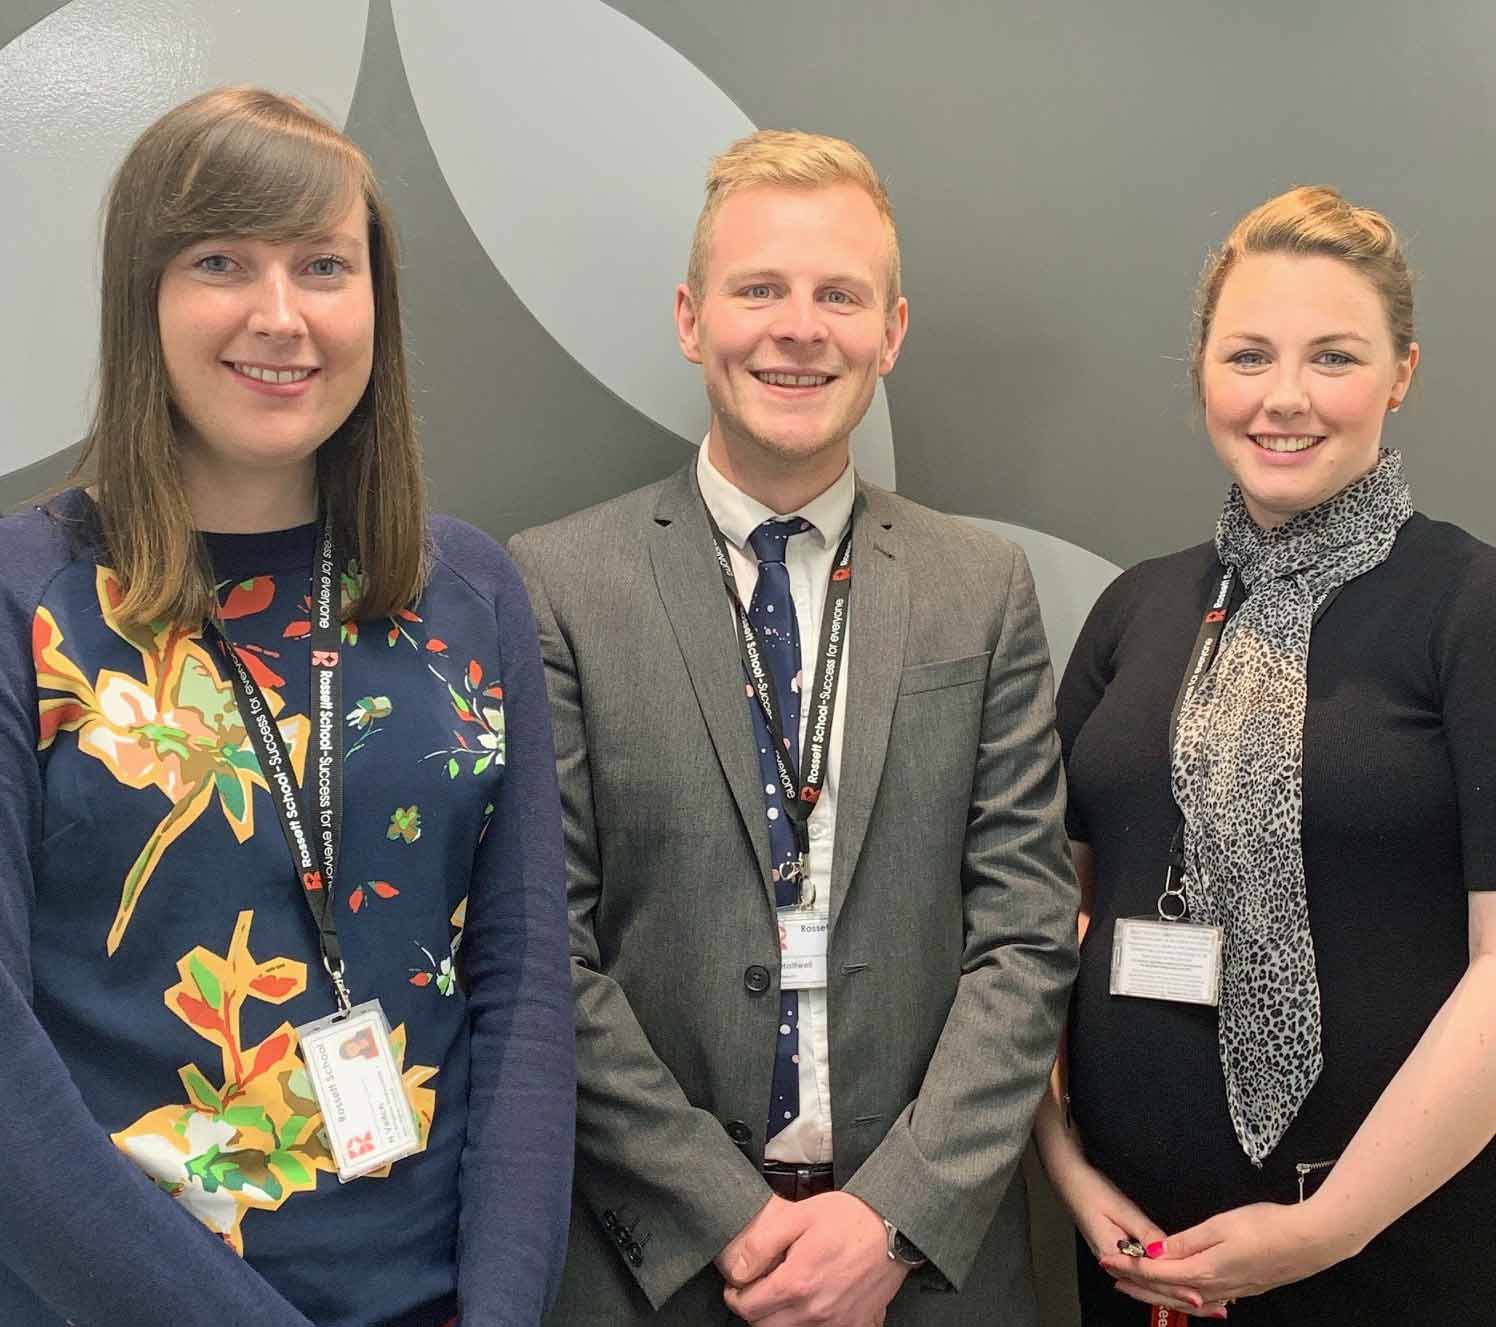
{"x": 1238, "y": 781}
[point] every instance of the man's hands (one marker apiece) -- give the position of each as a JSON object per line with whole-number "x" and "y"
{"x": 821, "y": 1262}
{"x": 759, "y": 1245}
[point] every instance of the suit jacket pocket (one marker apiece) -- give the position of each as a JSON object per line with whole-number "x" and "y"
{"x": 944, "y": 673}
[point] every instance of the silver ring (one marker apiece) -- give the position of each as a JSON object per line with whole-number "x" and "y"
{"x": 1165, "y": 912}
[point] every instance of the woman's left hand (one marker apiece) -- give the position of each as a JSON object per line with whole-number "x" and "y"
{"x": 1244, "y": 1251}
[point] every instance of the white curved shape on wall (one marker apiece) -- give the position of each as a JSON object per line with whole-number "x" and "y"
{"x": 872, "y": 442}
{"x": 1067, "y": 577}
{"x": 78, "y": 88}
{"x": 576, "y": 143}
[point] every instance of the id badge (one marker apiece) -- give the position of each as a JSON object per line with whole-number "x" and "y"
{"x": 1159, "y": 960}
{"x": 802, "y": 948}
{"x": 358, "y": 1084}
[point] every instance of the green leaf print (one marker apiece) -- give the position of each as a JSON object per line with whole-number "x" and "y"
{"x": 247, "y": 1117}
{"x": 203, "y": 1167}
{"x": 296, "y": 1091}
{"x": 231, "y": 793}
{"x": 228, "y": 1174}
{"x": 240, "y": 757}
{"x": 483, "y": 762}
{"x": 197, "y": 691}
{"x": 247, "y": 1166}
{"x": 206, "y": 983}
{"x": 452, "y": 768}
{"x": 292, "y": 1130}
{"x": 290, "y": 1167}
{"x": 203, "y": 1092}
{"x": 167, "y": 740}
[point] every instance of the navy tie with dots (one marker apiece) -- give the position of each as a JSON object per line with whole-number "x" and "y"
{"x": 772, "y": 613}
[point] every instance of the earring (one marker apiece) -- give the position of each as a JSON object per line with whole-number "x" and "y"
{"x": 1394, "y": 405}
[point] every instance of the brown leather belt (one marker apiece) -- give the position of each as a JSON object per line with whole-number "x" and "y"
{"x": 797, "y": 1182}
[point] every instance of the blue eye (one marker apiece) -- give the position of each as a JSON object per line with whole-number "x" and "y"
{"x": 838, "y": 297}
{"x": 1248, "y": 359}
{"x": 1336, "y": 359}
{"x": 760, "y": 292}
{"x": 327, "y": 265}
{"x": 217, "y": 263}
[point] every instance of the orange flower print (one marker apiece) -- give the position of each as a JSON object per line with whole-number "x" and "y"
{"x": 249, "y": 1136}
{"x": 175, "y": 728}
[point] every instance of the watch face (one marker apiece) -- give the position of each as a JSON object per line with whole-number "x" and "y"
{"x": 905, "y": 1250}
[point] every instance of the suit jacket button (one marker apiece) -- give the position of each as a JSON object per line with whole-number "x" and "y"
{"x": 610, "y": 1222}
{"x": 756, "y": 979}
{"x": 635, "y": 1254}
{"x": 739, "y": 1132}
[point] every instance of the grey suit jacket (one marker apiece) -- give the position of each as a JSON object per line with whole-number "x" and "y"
{"x": 952, "y": 943}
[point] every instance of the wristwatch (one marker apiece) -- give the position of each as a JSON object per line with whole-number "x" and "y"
{"x": 901, "y": 1248}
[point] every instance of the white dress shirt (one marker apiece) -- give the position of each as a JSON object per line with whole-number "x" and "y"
{"x": 806, "y": 1140}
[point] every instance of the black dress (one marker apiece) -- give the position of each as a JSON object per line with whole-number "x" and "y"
{"x": 1399, "y": 822}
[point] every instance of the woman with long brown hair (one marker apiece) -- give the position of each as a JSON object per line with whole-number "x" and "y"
{"x": 1281, "y": 747}
{"x": 282, "y": 923}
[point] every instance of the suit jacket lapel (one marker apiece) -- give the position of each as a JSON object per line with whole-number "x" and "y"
{"x": 690, "y": 586}
{"x": 878, "y": 623}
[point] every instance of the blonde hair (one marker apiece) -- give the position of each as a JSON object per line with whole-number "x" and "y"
{"x": 243, "y": 162}
{"x": 1312, "y": 220}
{"x": 789, "y": 158}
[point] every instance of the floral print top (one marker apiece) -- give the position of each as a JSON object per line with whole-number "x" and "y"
{"x": 160, "y": 1142}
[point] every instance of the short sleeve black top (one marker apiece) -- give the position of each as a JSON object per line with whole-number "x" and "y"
{"x": 1399, "y": 823}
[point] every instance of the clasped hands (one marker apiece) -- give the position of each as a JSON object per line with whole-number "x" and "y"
{"x": 1240, "y": 1252}
{"x": 820, "y": 1262}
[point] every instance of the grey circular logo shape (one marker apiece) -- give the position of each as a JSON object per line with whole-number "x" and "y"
{"x": 587, "y": 206}
{"x": 1067, "y": 578}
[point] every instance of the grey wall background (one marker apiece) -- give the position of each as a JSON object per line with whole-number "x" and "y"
{"x": 1058, "y": 173}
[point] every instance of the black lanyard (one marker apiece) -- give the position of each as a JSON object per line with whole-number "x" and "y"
{"x": 799, "y": 796}
{"x": 312, "y": 831}
{"x": 1207, "y": 643}
{"x": 1201, "y": 660}
{"x": 1202, "y": 657}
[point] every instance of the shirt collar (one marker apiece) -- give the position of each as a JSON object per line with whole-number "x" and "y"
{"x": 738, "y": 516}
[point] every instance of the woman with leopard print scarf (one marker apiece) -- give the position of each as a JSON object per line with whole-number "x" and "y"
{"x": 1317, "y": 1145}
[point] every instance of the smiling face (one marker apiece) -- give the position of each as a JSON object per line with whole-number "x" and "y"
{"x": 1298, "y": 374}
{"x": 268, "y": 347}
{"x": 792, "y": 329}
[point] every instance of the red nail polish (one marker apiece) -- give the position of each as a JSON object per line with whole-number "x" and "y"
{"x": 1156, "y": 1249}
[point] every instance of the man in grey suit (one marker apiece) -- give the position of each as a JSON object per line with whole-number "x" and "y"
{"x": 821, "y": 951}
